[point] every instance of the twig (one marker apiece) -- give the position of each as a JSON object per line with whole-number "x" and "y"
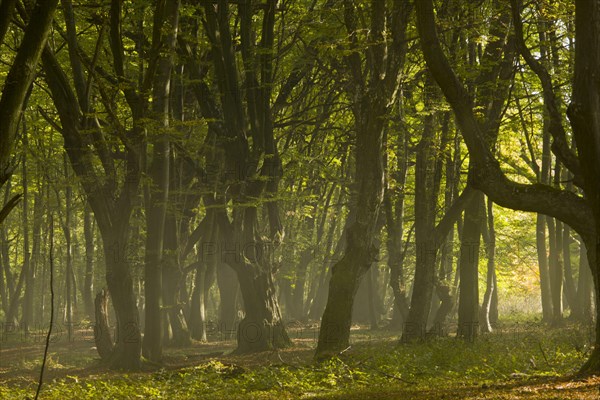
{"x": 51, "y": 250}
{"x": 284, "y": 362}
{"x": 543, "y": 353}
{"x": 394, "y": 377}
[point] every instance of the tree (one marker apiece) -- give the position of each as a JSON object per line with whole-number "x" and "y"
{"x": 373, "y": 88}
{"x": 17, "y": 83}
{"x": 249, "y": 162}
{"x": 485, "y": 172}
{"x": 112, "y": 194}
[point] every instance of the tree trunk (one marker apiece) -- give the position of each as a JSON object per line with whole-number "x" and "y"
{"x": 346, "y": 274}
{"x": 88, "y": 284}
{"x": 360, "y": 235}
{"x": 156, "y": 197}
{"x": 177, "y": 333}
{"x": 102, "y": 335}
{"x": 394, "y": 213}
{"x": 27, "y": 316}
{"x": 592, "y": 244}
{"x": 156, "y": 193}
{"x": 570, "y": 290}
{"x": 468, "y": 302}
{"x": 555, "y": 269}
{"x": 494, "y": 314}
{"x": 318, "y": 305}
{"x": 17, "y": 82}
{"x": 69, "y": 273}
{"x": 198, "y": 306}
{"x": 262, "y": 327}
{"x": 583, "y": 114}
{"x": 227, "y": 281}
{"x": 297, "y": 309}
{"x": 540, "y": 236}
{"x": 128, "y": 341}
{"x": 489, "y": 239}
{"x": 374, "y": 299}
{"x": 5, "y": 250}
{"x": 426, "y": 247}
{"x": 584, "y": 287}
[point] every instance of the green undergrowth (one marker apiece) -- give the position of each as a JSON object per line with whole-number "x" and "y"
{"x": 373, "y": 367}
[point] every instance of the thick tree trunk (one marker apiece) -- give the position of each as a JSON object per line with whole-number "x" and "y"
{"x": 468, "y": 302}
{"x": 102, "y": 334}
{"x": 360, "y": 235}
{"x": 592, "y": 365}
{"x": 128, "y": 341}
{"x": 227, "y": 281}
{"x": 346, "y": 274}
{"x": 262, "y": 327}
{"x": 361, "y": 309}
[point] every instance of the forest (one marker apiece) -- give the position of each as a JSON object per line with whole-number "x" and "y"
{"x": 286, "y": 199}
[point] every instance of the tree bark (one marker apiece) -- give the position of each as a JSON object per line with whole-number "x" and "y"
{"x": 102, "y": 335}
{"x": 69, "y": 272}
{"x": 584, "y": 287}
{"x": 227, "y": 281}
{"x": 128, "y": 341}
{"x": 570, "y": 290}
{"x": 425, "y": 243}
{"x": 489, "y": 239}
{"x": 88, "y": 285}
{"x": 156, "y": 194}
{"x": 555, "y": 269}
{"x": 468, "y": 301}
{"x": 542, "y": 254}
{"x": 27, "y": 309}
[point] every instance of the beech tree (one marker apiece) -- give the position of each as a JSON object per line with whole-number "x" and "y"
{"x": 485, "y": 172}
{"x": 373, "y": 87}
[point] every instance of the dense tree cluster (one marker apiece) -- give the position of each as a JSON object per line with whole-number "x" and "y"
{"x": 252, "y": 162}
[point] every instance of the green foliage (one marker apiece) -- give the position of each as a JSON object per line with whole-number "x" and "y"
{"x": 520, "y": 353}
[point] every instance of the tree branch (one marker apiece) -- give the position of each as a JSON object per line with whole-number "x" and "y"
{"x": 485, "y": 173}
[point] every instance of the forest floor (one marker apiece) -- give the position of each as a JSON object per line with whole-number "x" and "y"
{"x": 518, "y": 361}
